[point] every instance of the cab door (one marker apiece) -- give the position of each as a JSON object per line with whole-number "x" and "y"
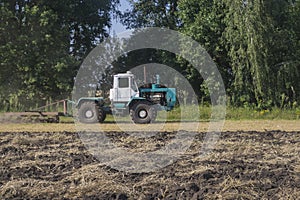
{"x": 123, "y": 89}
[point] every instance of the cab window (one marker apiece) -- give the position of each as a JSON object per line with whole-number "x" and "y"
{"x": 123, "y": 82}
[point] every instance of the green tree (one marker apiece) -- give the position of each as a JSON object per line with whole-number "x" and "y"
{"x": 203, "y": 21}
{"x": 145, "y": 13}
{"x": 284, "y": 45}
{"x": 247, "y": 30}
{"x": 43, "y": 43}
{"x": 254, "y": 43}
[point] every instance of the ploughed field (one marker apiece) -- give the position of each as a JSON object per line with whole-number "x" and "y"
{"x": 243, "y": 165}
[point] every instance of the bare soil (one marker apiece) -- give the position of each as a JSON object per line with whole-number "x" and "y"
{"x": 243, "y": 165}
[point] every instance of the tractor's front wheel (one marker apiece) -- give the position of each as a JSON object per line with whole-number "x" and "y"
{"x": 101, "y": 115}
{"x": 88, "y": 113}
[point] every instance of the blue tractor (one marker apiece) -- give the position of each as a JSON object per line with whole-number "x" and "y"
{"x": 126, "y": 98}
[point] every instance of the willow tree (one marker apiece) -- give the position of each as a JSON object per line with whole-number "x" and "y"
{"x": 245, "y": 35}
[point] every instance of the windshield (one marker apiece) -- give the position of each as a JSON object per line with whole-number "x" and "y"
{"x": 134, "y": 85}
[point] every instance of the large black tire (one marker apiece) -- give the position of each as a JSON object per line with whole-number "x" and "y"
{"x": 88, "y": 112}
{"x": 143, "y": 113}
{"x": 101, "y": 115}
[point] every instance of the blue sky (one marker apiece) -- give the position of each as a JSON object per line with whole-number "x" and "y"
{"x": 117, "y": 27}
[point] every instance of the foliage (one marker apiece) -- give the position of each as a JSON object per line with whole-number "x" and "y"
{"x": 43, "y": 43}
{"x": 255, "y": 44}
{"x": 147, "y": 13}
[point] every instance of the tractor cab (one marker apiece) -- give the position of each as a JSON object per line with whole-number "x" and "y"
{"x": 124, "y": 88}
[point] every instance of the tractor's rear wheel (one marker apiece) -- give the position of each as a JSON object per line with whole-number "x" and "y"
{"x": 88, "y": 113}
{"x": 143, "y": 113}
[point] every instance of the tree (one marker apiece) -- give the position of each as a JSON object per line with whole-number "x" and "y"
{"x": 283, "y": 57}
{"x": 254, "y": 43}
{"x": 203, "y": 21}
{"x": 145, "y": 13}
{"x": 246, "y": 34}
{"x": 43, "y": 43}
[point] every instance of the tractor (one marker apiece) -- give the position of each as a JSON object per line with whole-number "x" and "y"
{"x": 126, "y": 98}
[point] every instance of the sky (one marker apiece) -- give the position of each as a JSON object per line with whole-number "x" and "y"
{"x": 117, "y": 27}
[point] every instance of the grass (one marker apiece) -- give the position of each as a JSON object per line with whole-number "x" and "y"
{"x": 233, "y": 113}
{"x": 270, "y": 114}
{"x": 203, "y": 114}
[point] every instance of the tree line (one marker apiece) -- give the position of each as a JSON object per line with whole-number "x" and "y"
{"x": 42, "y": 45}
{"x": 255, "y": 44}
